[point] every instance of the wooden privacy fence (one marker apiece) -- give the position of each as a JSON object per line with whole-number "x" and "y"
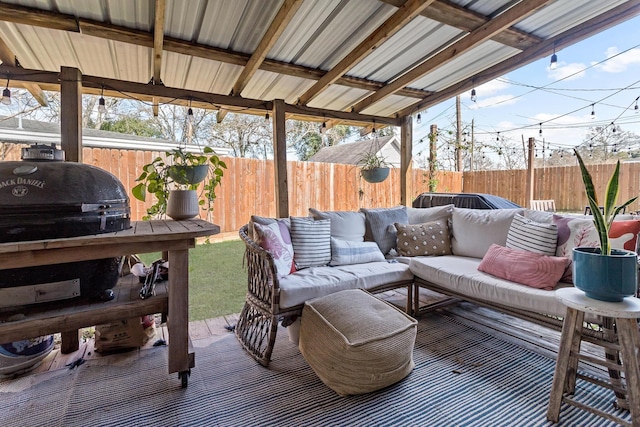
{"x": 562, "y": 184}
{"x": 248, "y": 186}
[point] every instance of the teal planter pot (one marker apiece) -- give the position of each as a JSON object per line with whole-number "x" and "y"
{"x": 605, "y": 278}
{"x": 375, "y": 175}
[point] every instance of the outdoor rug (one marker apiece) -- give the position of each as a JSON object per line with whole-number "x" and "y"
{"x": 463, "y": 377}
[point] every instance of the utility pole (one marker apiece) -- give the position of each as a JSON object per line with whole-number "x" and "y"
{"x": 433, "y": 138}
{"x": 530, "y": 171}
{"x": 458, "y": 151}
{"x": 471, "y": 150}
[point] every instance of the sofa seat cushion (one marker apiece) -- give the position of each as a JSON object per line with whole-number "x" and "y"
{"x": 316, "y": 282}
{"x": 460, "y": 274}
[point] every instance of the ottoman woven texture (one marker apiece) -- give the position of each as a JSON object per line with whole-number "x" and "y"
{"x": 355, "y": 342}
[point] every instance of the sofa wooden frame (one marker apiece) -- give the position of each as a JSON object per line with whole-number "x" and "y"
{"x": 257, "y": 326}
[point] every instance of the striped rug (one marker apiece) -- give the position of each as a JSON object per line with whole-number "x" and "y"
{"x": 463, "y": 377}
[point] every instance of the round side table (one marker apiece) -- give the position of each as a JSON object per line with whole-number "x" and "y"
{"x": 624, "y": 315}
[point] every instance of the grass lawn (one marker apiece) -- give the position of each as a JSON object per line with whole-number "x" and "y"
{"x": 218, "y": 282}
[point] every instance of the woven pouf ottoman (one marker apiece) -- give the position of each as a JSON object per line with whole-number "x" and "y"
{"x": 355, "y": 342}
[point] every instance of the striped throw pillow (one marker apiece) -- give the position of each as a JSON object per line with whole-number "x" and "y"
{"x": 346, "y": 252}
{"x": 532, "y": 236}
{"x": 311, "y": 241}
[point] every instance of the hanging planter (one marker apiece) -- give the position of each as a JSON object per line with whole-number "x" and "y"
{"x": 375, "y": 175}
{"x": 187, "y": 175}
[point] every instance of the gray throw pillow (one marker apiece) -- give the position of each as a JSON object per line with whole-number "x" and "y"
{"x": 380, "y": 225}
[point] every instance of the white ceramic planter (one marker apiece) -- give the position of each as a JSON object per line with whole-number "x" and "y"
{"x": 182, "y": 204}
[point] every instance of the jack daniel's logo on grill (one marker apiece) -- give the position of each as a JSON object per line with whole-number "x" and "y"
{"x": 21, "y": 185}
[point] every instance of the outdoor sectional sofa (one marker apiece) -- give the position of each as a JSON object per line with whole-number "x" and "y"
{"x": 509, "y": 259}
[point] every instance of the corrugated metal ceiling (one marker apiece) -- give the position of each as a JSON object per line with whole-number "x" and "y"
{"x": 318, "y": 36}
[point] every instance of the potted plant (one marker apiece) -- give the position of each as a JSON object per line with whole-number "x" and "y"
{"x": 373, "y": 167}
{"x": 604, "y": 273}
{"x": 174, "y": 181}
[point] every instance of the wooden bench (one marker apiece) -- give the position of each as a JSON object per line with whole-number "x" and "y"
{"x": 543, "y": 205}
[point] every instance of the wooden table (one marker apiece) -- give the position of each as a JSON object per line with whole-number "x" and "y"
{"x": 624, "y": 314}
{"x": 173, "y": 237}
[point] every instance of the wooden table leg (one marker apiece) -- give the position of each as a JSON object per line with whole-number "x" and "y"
{"x": 569, "y": 339}
{"x": 628, "y": 337}
{"x": 180, "y": 358}
{"x": 70, "y": 341}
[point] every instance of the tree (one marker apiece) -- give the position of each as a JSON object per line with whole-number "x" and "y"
{"x": 246, "y": 135}
{"x": 132, "y": 125}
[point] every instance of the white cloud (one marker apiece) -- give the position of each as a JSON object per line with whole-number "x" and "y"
{"x": 492, "y": 87}
{"x": 565, "y": 71}
{"x": 619, "y": 63}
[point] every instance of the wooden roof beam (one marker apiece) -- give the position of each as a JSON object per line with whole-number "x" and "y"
{"x": 29, "y": 16}
{"x": 481, "y": 34}
{"x": 405, "y": 13}
{"x": 271, "y": 36}
{"x": 221, "y": 114}
{"x": 467, "y": 20}
{"x": 9, "y": 58}
{"x": 583, "y": 31}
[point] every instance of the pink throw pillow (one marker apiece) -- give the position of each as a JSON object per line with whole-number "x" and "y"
{"x": 527, "y": 268}
{"x": 276, "y": 239}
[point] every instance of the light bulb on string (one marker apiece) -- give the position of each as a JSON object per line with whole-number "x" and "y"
{"x": 635, "y": 108}
{"x": 419, "y": 119}
{"x": 593, "y": 111}
{"x": 498, "y": 137}
{"x": 6, "y": 95}
{"x": 613, "y": 127}
{"x": 266, "y": 117}
{"x": 102, "y": 108}
{"x": 554, "y": 60}
{"x": 190, "y": 117}
{"x": 540, "y": 131}
{"x": 474, "y": 97}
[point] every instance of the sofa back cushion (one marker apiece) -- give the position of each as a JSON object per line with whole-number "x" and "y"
{"x": 422, "y": 215}
{"x": 345, "y": 225}
{"x": 473, "y": 231}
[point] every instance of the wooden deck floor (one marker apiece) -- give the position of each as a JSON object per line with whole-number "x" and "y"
{"x": 525, "y": 334}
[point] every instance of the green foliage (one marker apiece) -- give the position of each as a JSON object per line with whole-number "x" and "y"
{"x": 160, "y": 176}
{"x": 217, "y": 280}
{"x": 372, "y": 161}
{"x": 132, "y": 126}
{"x": 602, "y": 220}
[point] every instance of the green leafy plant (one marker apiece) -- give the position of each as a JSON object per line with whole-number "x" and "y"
{"x": 603, "y": 220}
{"x": 176, "y": 172}
{"x": 372, "y": 161}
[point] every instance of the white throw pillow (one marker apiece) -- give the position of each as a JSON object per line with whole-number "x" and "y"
{"x": 532, "y": 236}
{"x": 473, "y": 231}
{"x": 274, "y": 238}
{"x": 345, "y": 252}
{"x": 345, "y": 225}
{"x": 422, "y": 215}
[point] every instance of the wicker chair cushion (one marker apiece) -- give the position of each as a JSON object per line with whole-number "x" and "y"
{"x": 357, "y": 343}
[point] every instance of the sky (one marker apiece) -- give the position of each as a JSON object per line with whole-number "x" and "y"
{"x": 603, "y": 70}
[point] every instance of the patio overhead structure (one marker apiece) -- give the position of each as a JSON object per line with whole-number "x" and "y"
{"x": 367, "y": 63}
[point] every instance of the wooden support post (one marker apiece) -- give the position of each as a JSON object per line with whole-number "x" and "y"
{"x": 280, "y": 159}
{"x": 406, "y": 155}
{"x": 530, "y": 172}
{"x": 71, "y": 113}
{"x": 433, "y": 139}
{"x": 70, "y": 341}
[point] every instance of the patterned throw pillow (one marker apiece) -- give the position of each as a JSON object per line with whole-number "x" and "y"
{"x": 311, "y": 241}
{"x": 378, "y": 221}
{"x": 275, "y": 239}
{"x": 572, "y": 233}
{"x": 527, "y": 268}
{"x": 429, "y": 238}
{"x": 345, "y": 252}
{"x": 532, "y": 236}
{"x": 624, "y": 234}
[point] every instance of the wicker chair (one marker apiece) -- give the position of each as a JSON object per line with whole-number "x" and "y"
{"x": 258, "y": 323}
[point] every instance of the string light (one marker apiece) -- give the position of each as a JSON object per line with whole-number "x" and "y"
{"x": 102, "y": 108}
{"x": 323, "y": 127}
{"x": 419, "y": 119}
{"x": 498, "y": 137}
{"x": 554, "y": 60}
{"x": 474, "y": 97}
{"x": 636, "y": 106}
{"x": 540, "y": 131}
{"x": 613, "y": 127}
{"x": 266, "y": 117}
{"x": 593, "y": 111}
{"x": 6, "y": 94}
{"x": 190, "y": 117}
